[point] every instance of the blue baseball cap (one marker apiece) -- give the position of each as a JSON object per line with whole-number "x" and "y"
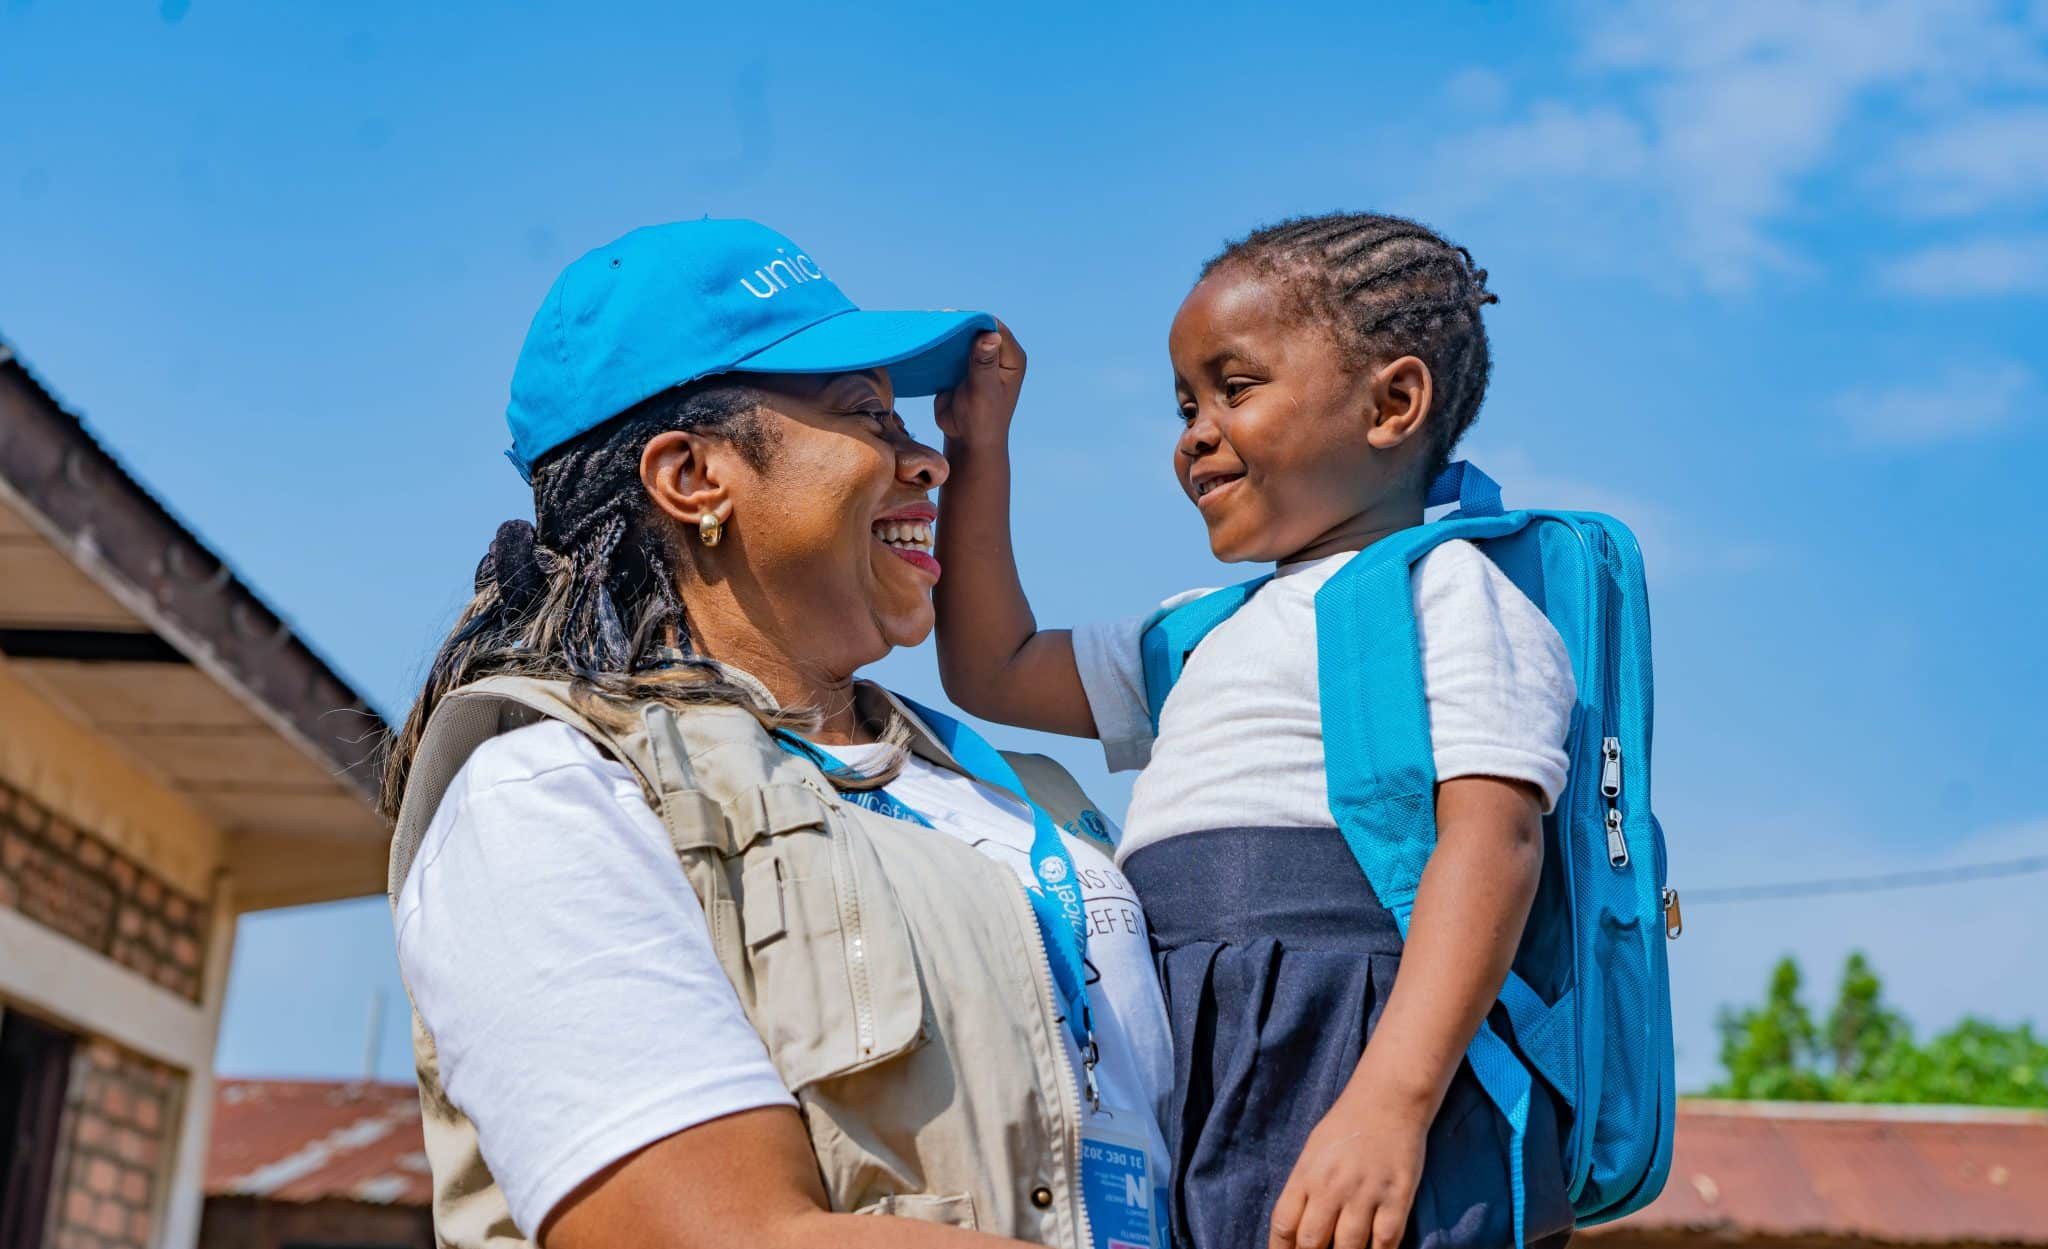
{"x": 673, "y": 303}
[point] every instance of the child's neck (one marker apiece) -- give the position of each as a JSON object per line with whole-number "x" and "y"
{"x": 1361, "y": 530}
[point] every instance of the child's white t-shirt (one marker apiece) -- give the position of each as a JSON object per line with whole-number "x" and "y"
{"x": 1240, "y": 741}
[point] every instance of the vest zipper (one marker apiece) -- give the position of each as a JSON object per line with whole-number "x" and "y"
{"x": 856, "y": 945}
{"x": 1070, "y": 1090}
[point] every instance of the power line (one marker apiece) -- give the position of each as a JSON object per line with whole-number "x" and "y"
{"x": 1884, "y": 882}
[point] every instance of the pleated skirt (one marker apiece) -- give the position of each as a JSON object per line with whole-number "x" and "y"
{"x": 1277, "y": 959}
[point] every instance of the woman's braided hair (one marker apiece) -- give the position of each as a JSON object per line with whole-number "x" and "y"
{"x": 1386, "y": 287}
{"x": 587, "y": 593}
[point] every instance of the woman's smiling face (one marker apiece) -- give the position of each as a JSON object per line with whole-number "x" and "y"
{"x": 835, "y": 525}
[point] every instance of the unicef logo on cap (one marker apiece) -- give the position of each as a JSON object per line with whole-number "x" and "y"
{"x": 1051, "y": 869}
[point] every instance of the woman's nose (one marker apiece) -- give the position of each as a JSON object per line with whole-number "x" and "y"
{"x": 921, "y": 466}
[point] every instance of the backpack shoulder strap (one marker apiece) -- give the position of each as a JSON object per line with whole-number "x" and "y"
{"x": 1376, "y": 744}
{"x": 1381, "y": 769}
{"x": 1173, "y": 637}
{"x": 1380, "y": 762}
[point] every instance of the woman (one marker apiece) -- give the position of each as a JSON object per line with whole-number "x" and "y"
{"x": 709, "y": 943}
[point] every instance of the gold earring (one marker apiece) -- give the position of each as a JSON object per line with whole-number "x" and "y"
{"x": 710, "y": 529}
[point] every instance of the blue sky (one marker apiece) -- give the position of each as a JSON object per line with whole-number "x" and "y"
{"x": 1773, "y": 280}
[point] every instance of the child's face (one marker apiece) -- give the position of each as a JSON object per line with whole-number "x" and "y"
{"x": 1288, "y": 453}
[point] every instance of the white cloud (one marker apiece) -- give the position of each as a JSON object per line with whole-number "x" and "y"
{"x": 2013, "y": 265}
{"x": 1556, "y": 140}
{"x": 1963, "y": 402}
{"x": 1717, "y": 114}
{"x": 1477, "y": 90}
{"x": 1976, "y": 164}
{"x": 1674, "y": 547}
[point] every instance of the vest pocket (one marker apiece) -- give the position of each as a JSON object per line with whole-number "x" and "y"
{"x": 836, "y": 983}
{"x": 954, "y": 1211}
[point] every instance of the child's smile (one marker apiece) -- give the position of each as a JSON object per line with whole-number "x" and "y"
{"x": 1282, "y": 452}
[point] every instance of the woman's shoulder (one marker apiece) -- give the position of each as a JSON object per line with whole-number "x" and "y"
{"x": 530, "y": 754}
{"x": 511, "y": 805}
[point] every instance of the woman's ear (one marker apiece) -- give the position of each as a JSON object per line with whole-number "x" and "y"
{"x": 683, "y": 476}
{"x": 1402, "y": 394}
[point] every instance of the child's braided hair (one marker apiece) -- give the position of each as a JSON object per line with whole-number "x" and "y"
{"x": 1386, "y": 287}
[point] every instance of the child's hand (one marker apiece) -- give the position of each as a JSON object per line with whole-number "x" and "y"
{"x": 1355, "y": 1181}
{"x": 978, "y": 410}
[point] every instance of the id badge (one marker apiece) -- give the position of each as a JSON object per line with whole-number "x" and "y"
{"x": 1117, "y": 1183}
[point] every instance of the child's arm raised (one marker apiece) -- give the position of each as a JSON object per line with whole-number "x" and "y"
{"x": 994, "y": 659}
{"x": 1356, "y": 1178}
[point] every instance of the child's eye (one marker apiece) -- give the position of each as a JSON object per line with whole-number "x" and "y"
{"x": 1235, "y": 386}
{"x": 1185, "y": 413}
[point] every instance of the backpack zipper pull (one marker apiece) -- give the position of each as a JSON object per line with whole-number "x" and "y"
{"x": 1674, "y": 919}
{"x": 1610, "y": 789}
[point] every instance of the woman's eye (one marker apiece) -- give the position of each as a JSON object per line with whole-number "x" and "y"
{"x": 889, "y": 420}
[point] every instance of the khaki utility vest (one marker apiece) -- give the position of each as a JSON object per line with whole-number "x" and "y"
{"x": 896, "y": 974}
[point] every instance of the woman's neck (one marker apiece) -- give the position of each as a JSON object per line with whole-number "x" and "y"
{"x": 796, "y": 683}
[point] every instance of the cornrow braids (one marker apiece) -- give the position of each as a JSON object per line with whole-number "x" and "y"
{"x": 1385, "y": 287}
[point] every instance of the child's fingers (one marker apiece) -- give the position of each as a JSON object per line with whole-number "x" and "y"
{"x": 1287, "y": 1215}
{"x": 1354, "y": 1226}
{"x": 996, "y": 356}
{"x": 1319, "y": 1216}
{"x": 1388, "y": 1222}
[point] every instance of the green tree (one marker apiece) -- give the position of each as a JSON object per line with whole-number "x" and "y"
{"x": 1865, "y": 1038}
{"x": 1866, "y": 1051}
{"x": 1770, "y": 1051}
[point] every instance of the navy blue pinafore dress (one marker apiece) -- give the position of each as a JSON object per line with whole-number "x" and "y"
{"x": 1277, "y": 959}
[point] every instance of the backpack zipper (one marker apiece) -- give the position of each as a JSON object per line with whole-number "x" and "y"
{"x": 1610, "y": 747}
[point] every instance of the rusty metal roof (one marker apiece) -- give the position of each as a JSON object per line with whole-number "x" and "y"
{"x": 314, "y": 1140}
{"x": 1908, "y": 1175}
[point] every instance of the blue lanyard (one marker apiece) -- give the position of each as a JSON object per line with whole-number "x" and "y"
{"x": 1056, "y": 902}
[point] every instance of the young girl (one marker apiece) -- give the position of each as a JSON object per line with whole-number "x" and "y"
{"x": 1324, "y": 369}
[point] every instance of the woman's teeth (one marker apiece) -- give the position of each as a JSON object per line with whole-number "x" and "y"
{"x": 914, "y": 535}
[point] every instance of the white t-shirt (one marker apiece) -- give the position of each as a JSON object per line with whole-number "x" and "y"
{"x": 1240, "y": 742}
{"x": 557, "y": 953}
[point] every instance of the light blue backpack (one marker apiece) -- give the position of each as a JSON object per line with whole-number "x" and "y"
{"x": 1589, "y": 999}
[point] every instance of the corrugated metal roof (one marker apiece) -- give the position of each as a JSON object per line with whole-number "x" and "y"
{"x": 1903, "y": 1175}
{"x": 307, "y": 1140}
{"x": 1885, "y": 1174}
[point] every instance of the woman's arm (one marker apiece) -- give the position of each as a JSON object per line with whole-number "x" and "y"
{"x": 995, "y": 660}
{"x": 748, "y": 1179}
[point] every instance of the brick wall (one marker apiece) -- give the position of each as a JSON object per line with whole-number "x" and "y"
{"x": 69, "y": 880}
{"x": 118, "y": 1133}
